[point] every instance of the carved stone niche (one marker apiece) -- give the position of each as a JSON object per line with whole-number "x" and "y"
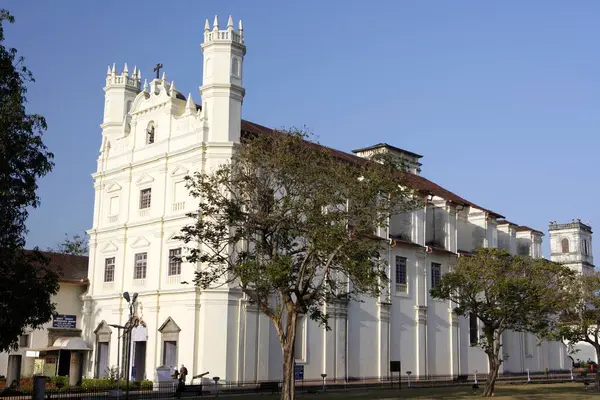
{"x": 103, "y": 332}
{"x": 169, "y": 331}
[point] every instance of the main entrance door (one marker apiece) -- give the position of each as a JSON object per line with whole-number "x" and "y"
{"x": 139, "y": 360}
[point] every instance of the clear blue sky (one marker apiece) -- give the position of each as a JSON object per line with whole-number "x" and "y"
{"x": 502, "y": 98}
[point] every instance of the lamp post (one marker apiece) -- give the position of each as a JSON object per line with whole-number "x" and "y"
{"x": 408, "y": 374}
{"x": 475, "y": 373}
{"x": 131, "y": 301}
{"x": 119, "y": 327}
{"x": 323, "y": 376}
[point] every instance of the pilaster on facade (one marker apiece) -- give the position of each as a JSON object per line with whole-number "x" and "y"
{"x": 421, "y": 342}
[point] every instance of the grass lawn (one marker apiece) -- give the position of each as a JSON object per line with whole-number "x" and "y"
{"x": 504, "y": 392}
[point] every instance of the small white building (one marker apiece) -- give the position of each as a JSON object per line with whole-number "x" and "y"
{"x": 56, "y": 349}
{"x": 152, "y": 136}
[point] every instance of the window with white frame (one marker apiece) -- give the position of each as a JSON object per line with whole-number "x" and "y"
{"x": 109, "y": 269}
{"x": 436, "y": 274}
{"x": 113, "y": 206}
{"x": 145, "y": 198}
{"x": 401, "y": 275}
{"x": 299, "y": 343}
{"x": 175, "y": 261}
{"x": 139, "y": 271}
{"x": 473, "y": 329}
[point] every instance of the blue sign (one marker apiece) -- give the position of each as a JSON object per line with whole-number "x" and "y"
{"x": 64, "y": 321}
{"x": 299, "y": 372}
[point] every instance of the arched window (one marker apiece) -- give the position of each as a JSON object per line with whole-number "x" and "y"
{"x": 235, "y": 67}
{"x": 208, "y": 68}
{"x": 150, "y": 133}
{"x": 565, "y": 245}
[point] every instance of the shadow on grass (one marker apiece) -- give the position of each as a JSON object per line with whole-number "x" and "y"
{"x": 532, "y": 391}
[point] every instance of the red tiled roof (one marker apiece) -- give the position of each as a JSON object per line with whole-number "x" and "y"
{"x": 417, "y": 182}
{"x": 71, "y": 269}
{"x": 523, "y": 228}
{"x": 505, "y": 222}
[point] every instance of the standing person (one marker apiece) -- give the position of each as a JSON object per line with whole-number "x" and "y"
{"x": 181, "y": 384}
{"x": 183, "y": 373}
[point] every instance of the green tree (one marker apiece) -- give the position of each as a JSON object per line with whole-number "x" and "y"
{"x": 505, "y": 292}
{"x": 579, "y": 319}
{"x": 75, "y": 246}
{"x": 27, "y": 283}
{"x": 292, "y": 225}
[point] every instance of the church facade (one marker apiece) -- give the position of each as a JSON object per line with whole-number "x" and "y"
{"x": 152, "y": 136}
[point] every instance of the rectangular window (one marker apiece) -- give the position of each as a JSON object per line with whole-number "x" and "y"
{"x": 109, "y": 269}
{"x": 24, "y": 341}
{"x": 436, "y": 274}
{"x": 179, "y": 191}
{"x": 401, "y": 279}
{"x": 170, "y": 354}
{"x": 145, "y": 198}
{"x": 299, "y": 341}
{"x": 473, "y": 329}
{"x": 114, "y": 206}
{"x": 140, "y": 266}
{"x": 175, "y": 261}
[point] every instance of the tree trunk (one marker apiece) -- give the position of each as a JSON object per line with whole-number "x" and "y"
{"x": 288, "y": 339}
{"x": 493, "y": 352}
{"x": 490, "y": 382}
{"x": 597, "y": 377}
{"x": 289, "y": 382}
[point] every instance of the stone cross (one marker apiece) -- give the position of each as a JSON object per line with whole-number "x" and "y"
{"x": 157, "y": 69}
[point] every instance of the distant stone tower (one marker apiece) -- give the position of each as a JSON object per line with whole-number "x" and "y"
{"x": 571, "y": 245}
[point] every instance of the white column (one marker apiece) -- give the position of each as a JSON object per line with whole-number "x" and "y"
{"x": 383, "y": 330}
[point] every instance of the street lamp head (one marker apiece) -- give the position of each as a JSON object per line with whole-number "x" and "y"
{"x": 126, "y": 296}
{"x": 134, "y": 297}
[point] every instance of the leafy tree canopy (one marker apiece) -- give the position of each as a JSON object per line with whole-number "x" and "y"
{"x": 579, "y": 318}
{"x": 27, "y": 283}
{"x": 294, "y": 227}
{"x": 76, "y": 245}
{"x": 505, "y": 292}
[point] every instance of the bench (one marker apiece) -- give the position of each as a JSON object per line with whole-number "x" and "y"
{"x": 272, "y": 386}
{"x": 461, "y": 379}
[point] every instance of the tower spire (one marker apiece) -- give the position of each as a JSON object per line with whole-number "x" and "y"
{"x": 206, "y": 26}
{"x": 125, "y": 70}
{"x": 230, "y": 23}
{"x": 216, "y": 23}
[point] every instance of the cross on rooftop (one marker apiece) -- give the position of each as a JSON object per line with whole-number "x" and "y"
{"x": 157, "y": 70}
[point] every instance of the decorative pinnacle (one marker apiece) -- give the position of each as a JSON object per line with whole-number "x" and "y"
{"x": 230, "y": 22}
{"x": 216, "y": 23}
{"x": 145, "y": 85}
{"x": 173, "y": 90}
{"x": 108, "y": 70}
{"x": 240, "y": 27}
{"x": 206, "y": 26}
{"x": 134, "y": 75}
{"x": 190, "y": 102}
{"x": 114, "y": 69}
{"x": 164, "y": 77}
{"x": 139, "y": 74}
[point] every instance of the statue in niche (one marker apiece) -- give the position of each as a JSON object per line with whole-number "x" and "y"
{"x": 150, "y": 133}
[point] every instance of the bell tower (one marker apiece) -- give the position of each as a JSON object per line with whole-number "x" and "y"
{"x": 119, "y": 93}
{"x": 222, "y": 91}
{"x": 571, "y": 245}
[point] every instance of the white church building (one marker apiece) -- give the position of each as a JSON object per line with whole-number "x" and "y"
{"x": 153, "y": 135}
